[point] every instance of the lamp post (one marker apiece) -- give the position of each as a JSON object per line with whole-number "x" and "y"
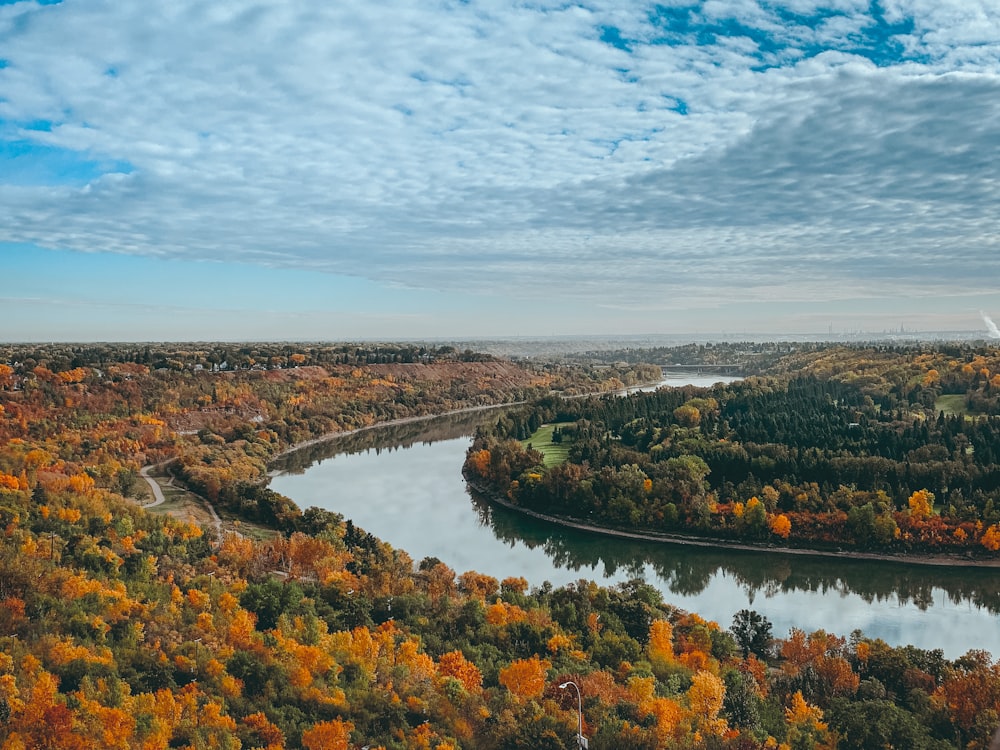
{"x": 580, "y": 739}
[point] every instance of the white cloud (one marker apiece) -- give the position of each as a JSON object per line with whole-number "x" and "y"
{"x": 494, "y": 146}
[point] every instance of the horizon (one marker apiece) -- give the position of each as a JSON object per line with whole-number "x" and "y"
{"x": 350, "y": 172}
{"x": 645, "y": 340}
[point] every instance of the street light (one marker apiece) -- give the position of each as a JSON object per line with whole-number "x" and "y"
{"x": 580, "y": 739}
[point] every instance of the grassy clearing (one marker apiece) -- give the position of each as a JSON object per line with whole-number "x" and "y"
{"x": 141, "y": 493}
{"x": 951, "y": 404}
{"x": 541, "y": 441}
{"x": 187, "y": 506}
{"x": 183, "y": 505}
{"x": 258, "y": 533}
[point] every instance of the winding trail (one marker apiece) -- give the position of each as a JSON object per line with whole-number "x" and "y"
{"x": 158, "y": 497}
{"x": 216, "y": 520}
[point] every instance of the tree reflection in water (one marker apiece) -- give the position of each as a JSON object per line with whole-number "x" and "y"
{"x": 959, "y": 603}
{"x": 688, "y": 570}
{"x": 381, "y": 438}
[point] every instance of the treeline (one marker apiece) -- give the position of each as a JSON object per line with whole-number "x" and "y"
{"x": 759, "y": 357}
{"x": 119, "y": 629}
{"x": 221, "y": 427}
{"x": 850, "y": 456}
{"x": 750, "y": 357}
{"x": 62, "y": 357}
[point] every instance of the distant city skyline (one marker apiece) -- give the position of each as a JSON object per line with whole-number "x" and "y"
{"x": 278, "y": 170}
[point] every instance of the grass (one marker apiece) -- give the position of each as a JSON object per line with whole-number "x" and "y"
{"x": 187, "y": 506}
{"x": 182, "y": 504}
{"x": 140, "y": 492}
{"x": 246, "y": 528}
{"x": 951, "y": 404}
{"x": 541, "y": 441}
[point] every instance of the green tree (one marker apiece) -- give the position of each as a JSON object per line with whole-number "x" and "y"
{"x": 862, "y": 725}
{"x": 752, "y": 632}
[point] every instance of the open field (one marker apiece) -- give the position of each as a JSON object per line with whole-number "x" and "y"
{"x": 183, "y": 505}
{"x": 952, "y": 403}
{"x": 232, "y": 524}
{"x": 541, "y": 440}
{"x": 188, "y": 506}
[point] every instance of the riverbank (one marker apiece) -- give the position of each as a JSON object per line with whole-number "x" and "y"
{"x": 437, "y": 415}
{"x": 723, "y": 544}
{"x": 648, "y": 536}
{"x": 389, "y": 423}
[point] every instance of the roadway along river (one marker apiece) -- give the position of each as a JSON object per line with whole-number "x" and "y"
{"x": 404, "y": 484}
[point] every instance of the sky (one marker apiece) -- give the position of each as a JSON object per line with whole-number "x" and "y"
{"x": 294, "y": 170}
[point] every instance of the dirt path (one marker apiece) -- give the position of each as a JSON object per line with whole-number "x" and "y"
{"x": 216, "y": 520}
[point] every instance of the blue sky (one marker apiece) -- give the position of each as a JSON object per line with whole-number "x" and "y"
{"x": 282, "y": 169}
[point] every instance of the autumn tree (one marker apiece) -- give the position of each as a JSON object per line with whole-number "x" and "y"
{"x": 806, "y": 728}
{"x": 991, "y": 538}
{"x": 705, "y": 698}
{"x": 525, "y": 678}
{"x": 454, "y": 664}
{"x": 661, "y": 642}
{"x": 328, "y": 735}
{"x": 779, "y": 525}
{"x": 921, "y": 505}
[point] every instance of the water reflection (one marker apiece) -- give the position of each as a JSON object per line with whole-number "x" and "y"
{"x": 403, "y": 483}
{"x": 688, "y": 570}
{"x": 390, "y": 437}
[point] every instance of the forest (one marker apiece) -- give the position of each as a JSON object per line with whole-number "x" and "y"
{"x": 122, "y": 628}
{"x": 893, "y": 452}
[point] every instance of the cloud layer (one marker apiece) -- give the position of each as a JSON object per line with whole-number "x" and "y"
{"x": 652, "y": 156}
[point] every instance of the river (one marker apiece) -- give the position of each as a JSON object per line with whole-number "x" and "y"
{"x": 404, "y": 484}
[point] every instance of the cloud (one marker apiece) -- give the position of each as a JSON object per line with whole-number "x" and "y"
{"x": 813, "y": 151}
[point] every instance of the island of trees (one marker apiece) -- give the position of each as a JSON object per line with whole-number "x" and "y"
{"x": 896, "y": 452}
{"x": 122, "y": 627}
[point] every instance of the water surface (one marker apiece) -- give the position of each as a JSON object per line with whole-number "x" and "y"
{"x": 404, "y": 484}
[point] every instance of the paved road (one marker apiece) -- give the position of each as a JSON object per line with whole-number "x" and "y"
{"x": 153, "y": 485}
{"x": 160, "y": 498}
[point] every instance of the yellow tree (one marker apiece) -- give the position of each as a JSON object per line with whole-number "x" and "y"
{"x": 263, "y": 732}
{"x": 687, "y": 415}
{"x": 480, "y": 461}
{"x": 477, "y": 585}
{"x": 328, "y": 735}
{"x": 525, "y": 678}
{"x": 780, "y": 525}
{"x": 454, "y": 664}
{"x": 666, "y": 713}
{"x": 661, "y": 642}
{"x": 991, "y": 538}
{"x": 440, "y": 581}
{"x": 806, "y": 727}
{"x": 921, "y": 505}
{"x": 705, "y": 697}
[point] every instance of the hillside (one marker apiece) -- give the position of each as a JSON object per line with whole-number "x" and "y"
{"x": 122, "y": 629}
